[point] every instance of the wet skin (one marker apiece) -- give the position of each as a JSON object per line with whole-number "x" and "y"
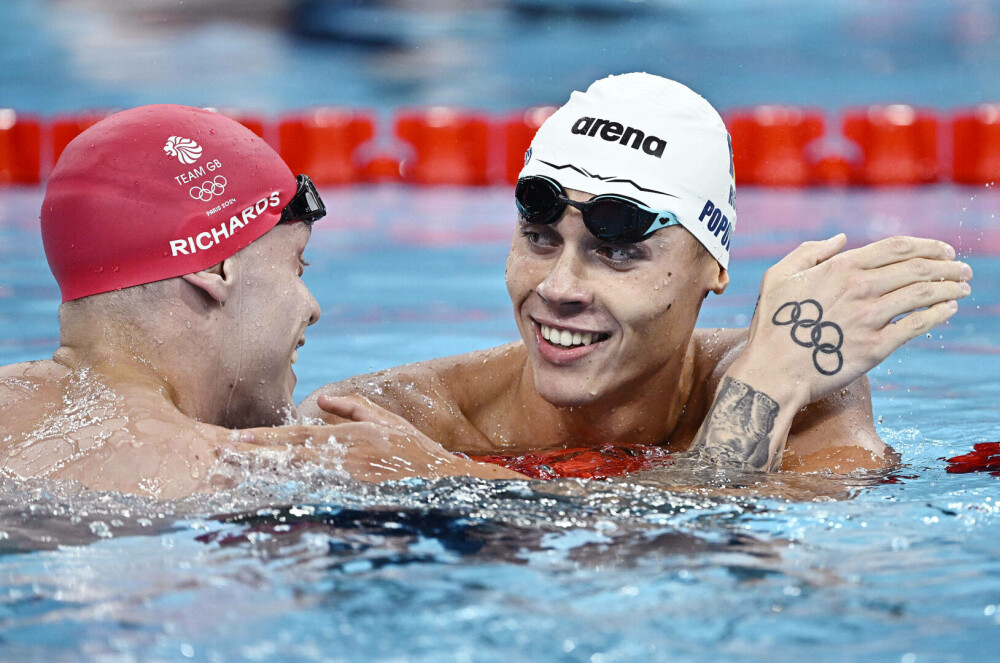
{"x": 147, "y": 403}
{"x": 647, "y": 376}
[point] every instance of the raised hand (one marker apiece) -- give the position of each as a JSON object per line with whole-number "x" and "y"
{"x": 824, "y": 319}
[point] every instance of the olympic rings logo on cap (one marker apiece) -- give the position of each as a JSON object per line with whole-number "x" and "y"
{"x": 209, "y": 189}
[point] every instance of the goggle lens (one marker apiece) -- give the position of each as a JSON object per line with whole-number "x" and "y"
{"x": 611, "y": 218}
{"x": 306, "y": 205}
{"x": 537, "y": 201}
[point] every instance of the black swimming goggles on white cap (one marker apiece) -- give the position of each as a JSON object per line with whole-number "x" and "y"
{"x": 306, "y": 205}
{"x": 610, "y": 217}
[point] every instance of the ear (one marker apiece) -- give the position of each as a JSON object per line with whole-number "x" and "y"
{"x": 217, "y": 281}
{"x": 717, "y": 279}
{"x": 722, "y": 280}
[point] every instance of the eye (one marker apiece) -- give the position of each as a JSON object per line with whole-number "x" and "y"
{"x": 303, "y": 263}
{"x": 621, "y": 255}
{"x": 539, "y": 237}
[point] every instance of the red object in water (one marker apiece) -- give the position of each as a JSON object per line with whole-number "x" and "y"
{"x": 899, "y": 144}
{"x": 833, "y": 170}
{"x": 519, "y": 129}
{"x": 67, "y": 127}
{"x": 450, "y": 146}
{"x": 976, "y": 140}
{"x": 769, "y": 144}
{"x": 601, "y": 462}
{"x": 985, "y": 457}
{"x": 323, "y": 143}
{"x": 20, "y": 148}
{"x": 382, "y": 168}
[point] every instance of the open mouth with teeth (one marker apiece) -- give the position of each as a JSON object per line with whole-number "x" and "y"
{"x": 570, "y": 339}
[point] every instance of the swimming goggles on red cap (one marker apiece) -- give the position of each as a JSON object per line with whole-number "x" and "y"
{"x": 306, "y": 205}
{"x": 609, "y": 217}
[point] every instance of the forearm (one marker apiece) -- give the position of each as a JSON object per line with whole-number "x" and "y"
{"x": 745, "y": 428}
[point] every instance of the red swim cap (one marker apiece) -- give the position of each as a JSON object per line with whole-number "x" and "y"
{"x": 156, "y": 192}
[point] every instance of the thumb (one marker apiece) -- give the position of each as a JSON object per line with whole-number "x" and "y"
{"x": 810, "y": 254}
{"x": 358, "y": 408}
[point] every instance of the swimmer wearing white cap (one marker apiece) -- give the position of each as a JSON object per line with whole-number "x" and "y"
{"x": 626, "y": 218}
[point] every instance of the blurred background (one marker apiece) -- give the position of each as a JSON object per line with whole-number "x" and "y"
{"x": 390, "y": 254}
{"x": 273, "y": 55}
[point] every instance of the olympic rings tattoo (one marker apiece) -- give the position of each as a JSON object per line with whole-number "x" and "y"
{"x": 826, "y": 338}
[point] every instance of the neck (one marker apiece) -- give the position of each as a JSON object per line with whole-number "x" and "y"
{"x": 131, "y": 355}
{"x": 645, "y": 411}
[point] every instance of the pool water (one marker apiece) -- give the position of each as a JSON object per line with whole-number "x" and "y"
{"x": 898, "y": 566}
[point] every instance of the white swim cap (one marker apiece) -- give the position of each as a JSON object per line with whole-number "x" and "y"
{"x": 650, "y": 139}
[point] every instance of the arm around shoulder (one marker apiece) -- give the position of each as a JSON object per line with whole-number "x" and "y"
{"x": 440, "y": 397}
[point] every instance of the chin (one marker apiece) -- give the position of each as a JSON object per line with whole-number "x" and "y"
{"x": 566, "y": 392}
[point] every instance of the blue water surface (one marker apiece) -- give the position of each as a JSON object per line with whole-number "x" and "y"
{"x": 898, "y": 567}
{"x": 901, "y": 567}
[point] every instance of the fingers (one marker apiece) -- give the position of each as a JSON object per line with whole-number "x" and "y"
{"x": 886, "y": 279}
{"x": 899, "y": 249}
{"x": 810, "y": 254}
{"x": 358, "y": 408}
{"x": 917, "y": 296}
{"x": 915, "y": 324}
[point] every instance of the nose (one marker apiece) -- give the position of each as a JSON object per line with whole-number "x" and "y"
{"x": 314, "y": 310}
{"x": 563, "y": 287}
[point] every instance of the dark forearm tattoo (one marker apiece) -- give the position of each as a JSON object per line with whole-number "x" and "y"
{"x": 825, "y": 337}
{"x": 737, "y": 430}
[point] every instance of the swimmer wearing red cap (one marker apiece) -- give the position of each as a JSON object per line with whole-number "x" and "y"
{"x": 176, "y": 236}
{"x": 626, "y": 215}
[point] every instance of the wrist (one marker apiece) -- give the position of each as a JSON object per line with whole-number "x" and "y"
{"x": 767, "y": 377}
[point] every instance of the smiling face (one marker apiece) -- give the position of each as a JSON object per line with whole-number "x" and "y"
{"x": 602, "y": 320}
{"x": 268, "y": 312}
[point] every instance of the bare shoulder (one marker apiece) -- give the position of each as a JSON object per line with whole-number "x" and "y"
{"x": 441, "y": 397}
{"x": 715, "y": 351}
{"x": 31, "y": 371}
{"x": 836, "y": 433}
{"x": 79, "y": 426}
{"x": 28, "y": 391}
